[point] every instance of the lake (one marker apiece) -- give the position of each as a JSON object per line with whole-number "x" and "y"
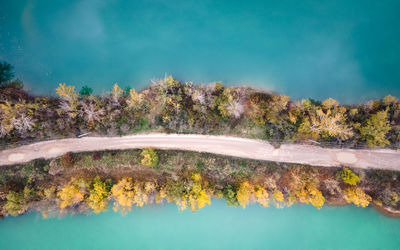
{"x": 319, "y": 49}
{"x": 346, "y": 50}
{"x": 214, "y": 227}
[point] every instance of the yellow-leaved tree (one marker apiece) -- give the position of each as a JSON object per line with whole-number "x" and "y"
{"x": 69, "y": 105}
{"x": 357, "y": 196}
{"x": 98, "y": 195}
{"x": 72, "y": 193}
{"x": 149, "y": 157}
{"x": 123, "y": 193}
{"x": 244, "y": 193}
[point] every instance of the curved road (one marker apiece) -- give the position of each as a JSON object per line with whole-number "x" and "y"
{"x": 231, "y": 146}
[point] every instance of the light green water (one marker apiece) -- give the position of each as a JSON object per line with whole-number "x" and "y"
{"x": 348, "y": 50}
{"x": 214, "y": 227}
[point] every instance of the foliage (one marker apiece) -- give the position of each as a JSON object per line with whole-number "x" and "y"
{"x": 375, "y": 129}
{"x": 15, "y": 204}
{"x": 73, "y": 193}
{"x": 357, "y": 196}
{"x": 327, "y": 124}
{"x": 149, "y": 157}
{"x": 229, "y": 195}
{"x": 349, "y": 177}
{"x": 6, "y": 72}
{"x": 98, "y": 194}
{"x": 85, "y": 91}
{"x": 123, "y": 193}
{"x": 67, "y": 92}
{"x": 243, "y": 194}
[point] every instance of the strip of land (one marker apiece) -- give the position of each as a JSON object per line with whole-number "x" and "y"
{"x": 223, "y": 145}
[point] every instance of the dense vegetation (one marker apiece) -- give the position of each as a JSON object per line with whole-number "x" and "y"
{"x": 172, "y": 106}
{"x": 93, "y": 181}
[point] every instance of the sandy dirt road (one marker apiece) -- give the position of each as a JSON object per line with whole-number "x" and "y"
{"x": 223, "y": 145}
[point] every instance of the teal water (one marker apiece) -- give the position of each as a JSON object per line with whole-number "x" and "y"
{"x": 214, "y": 227}
{"x": 348, "y": 50}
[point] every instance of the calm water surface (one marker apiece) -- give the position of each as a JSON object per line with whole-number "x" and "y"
{"x": 214, "y": 227}
{"x": 349, "y": 50}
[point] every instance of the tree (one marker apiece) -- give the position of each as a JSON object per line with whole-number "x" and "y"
{"x": 98, "y": 194}
{"x": 149, "y": 157}
{"x": 67, "y": 92}
{"x": 73, "y": 193}
{"x": 6, "y": 73}
{"x": 116, "y": 93}
{"x": 69, "y": 105}
{"x": 134, "y": 99}
{"x": 357, "y": 196}
{"x": 15, "y": 204}
{"x": 330, "y": 125}
{"x": 123, "y": 193}
{"x": 389, "y": 100}
{"x": 261, "y": 196}
{"x": 330, "y": 103}
{"x": 85, "y": 91}
{"x": 349, "y": 177}
{"x": 243, "y": 194}
{"x": 375, "y": 129}
{"x": 230, "y": 196}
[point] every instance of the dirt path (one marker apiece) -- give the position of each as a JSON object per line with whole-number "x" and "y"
{"x": 231, "y": 146}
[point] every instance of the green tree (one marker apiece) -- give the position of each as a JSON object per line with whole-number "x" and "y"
{"x": 230, "y": 196}
{"x": 375, "y": 129}
{"x": 7, "y": 75}
{"x": 6, "y": 72}
{"x": 85, "y": 91}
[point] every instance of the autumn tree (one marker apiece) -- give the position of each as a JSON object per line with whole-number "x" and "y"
{"x": 15, "y": 204}
{"x": 116, "y": 94}
{"x": 149, "y": 157}
{"x": 389, "y": 100}
{"x": 72, "y": 193}
{"x": 98, "y": 195}
{"x": 123, "y": 193}
{"x": 135, "y": 99}
{"x": 244, "y": 193}
{"x": 357, "y": 196}
{"x": 375, "y": 129}
{"x": 326, "y": 124}
{"x": 91, "y": 111}
{"x": 349, "y": 177}
{"x": 69, "y": 103}
{"x": 17, "y": 117}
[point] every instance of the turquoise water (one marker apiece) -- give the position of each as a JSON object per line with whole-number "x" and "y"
{"x": 348, "y": 50}
{"x": 345, "y": 49}
{"x": 214, "y": 227}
